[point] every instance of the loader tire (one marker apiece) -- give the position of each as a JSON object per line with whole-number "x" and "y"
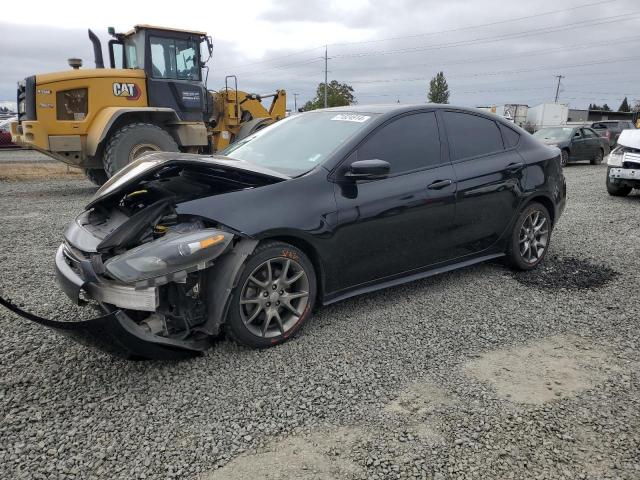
{"x": 133, "y": 141}
{"x": 97, "y": 176}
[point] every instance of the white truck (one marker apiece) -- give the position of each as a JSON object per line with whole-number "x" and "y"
{"x": 548, "y": 115}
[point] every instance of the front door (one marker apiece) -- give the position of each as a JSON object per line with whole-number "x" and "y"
{"x": 174, "y": 77}
{"x": 400, "y": 223}
{"x": 490, "y": 178}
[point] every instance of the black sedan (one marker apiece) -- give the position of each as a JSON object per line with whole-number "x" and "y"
{"x": 575, "y": 143}
{"x": 316, "y": 208}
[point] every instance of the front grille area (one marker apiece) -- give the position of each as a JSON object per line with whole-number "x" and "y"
{"x": 27, "y": 99}
{"x": 631, "y": 160}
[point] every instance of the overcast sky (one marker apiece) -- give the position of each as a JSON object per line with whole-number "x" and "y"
{"x": 386, "y": 49}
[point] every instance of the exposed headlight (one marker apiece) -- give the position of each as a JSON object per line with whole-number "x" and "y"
{"x": 615, "y": 157}
{"x": 72, "y": 104}
{"x": 172, "y": 253}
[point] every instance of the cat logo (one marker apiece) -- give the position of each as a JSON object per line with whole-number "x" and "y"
{"x": 130, "y": 91}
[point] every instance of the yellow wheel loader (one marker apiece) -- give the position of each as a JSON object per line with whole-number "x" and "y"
{"x": 152, "y": 98}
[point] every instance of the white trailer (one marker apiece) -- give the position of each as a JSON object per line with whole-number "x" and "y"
{"x": 548, "y": 115}
{"x": 514, "y": 112}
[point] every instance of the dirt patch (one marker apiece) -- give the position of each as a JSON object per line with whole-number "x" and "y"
{"x": 417, "y": 401}
{"x": 419, "y": 398}
{"x": 38, "y": 171}
{"x": 321, "y": 456}
{"x": 566, "y": 273}
{"x": 542, "y": 371}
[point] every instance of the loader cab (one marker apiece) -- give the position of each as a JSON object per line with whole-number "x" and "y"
{"x": 173, "y": 61}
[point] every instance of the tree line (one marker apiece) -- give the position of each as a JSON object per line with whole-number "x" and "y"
{"x": 341, "y": 94}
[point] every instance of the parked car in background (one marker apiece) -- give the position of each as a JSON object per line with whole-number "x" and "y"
{"x": 611, "y": 129}
{"x": 623, "y": 173}
{"x": 177, "y": 247}
{"x": 575, "y": 143}
{"x": 5, "y": 134}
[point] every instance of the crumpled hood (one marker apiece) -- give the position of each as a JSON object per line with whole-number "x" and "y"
{"x": 147, "y": 166}
{"x": 630, "y": 138}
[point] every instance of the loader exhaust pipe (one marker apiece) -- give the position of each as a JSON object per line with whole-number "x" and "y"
{"x": 97, "y": 49}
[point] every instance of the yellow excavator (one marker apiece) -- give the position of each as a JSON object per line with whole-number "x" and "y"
{"x": 152, "y": 97}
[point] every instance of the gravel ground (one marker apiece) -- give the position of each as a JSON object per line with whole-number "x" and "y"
{"x": 478, "y": 373}
{"x": 23, "y": 156}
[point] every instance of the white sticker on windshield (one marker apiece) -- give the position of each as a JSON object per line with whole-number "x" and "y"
{"x": 351, "y": 117}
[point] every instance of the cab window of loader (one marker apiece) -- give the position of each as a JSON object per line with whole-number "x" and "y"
{"x": 175, "y": 59}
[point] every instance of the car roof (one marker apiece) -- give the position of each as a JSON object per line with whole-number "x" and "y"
{"x": 394, "y": 108}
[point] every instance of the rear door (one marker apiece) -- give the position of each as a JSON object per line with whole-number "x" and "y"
{"x": 400, "y": 223}
{"x": 592, "y": 142}
{"x": 490, "y": 178}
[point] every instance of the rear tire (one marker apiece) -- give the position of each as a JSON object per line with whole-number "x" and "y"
{"x": 133, "y": 141}
{"x": 617, "y": 190}
{"x": 97, "y": 176}
{"x": 262, "y": 307}
{"x": 530, "y": 237}
{"x": 597, "y": 160}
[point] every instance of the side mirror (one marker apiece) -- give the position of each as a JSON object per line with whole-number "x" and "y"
{"x": 368, "y": 169}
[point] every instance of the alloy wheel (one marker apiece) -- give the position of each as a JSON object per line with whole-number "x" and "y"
{"x": 534, "y": 236}
{"x": 274, "y": 297}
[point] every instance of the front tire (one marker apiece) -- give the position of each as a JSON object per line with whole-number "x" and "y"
{"x": 616, "y": 190}
{"x": 97, "y": 176}
{"x": 133, "y": 141}
{"x": 597, "y": 160}
{"x": 530, "y": 237}
{"x": 274, "y": 296}
{"x": 564, "y": 158}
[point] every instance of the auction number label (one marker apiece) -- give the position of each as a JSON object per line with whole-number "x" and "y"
{"x": 351, "y": 117}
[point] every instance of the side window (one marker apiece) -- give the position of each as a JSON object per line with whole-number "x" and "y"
{"x": 408, "y": 143}
{"x": 132, "y": 56}
{"x": 509, "y": 137}
{"x": 472, "y": 135}
{"x": 589, "y": 133}
{"x": 175, "y": 59}
{"x": 160, "y": 59}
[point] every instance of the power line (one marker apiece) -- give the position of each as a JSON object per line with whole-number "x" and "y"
{"x": 495, "y": 38}
{"x": 500, "y": 72}
{"x": 471, "y": 27}
{"x": 466, "y": 61}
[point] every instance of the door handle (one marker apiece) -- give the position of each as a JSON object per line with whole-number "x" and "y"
{"x": 440, "y": 184}
{"x": 514, "y": 167}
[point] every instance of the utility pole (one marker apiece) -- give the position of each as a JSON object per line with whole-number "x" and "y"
{"x": 295, "y": 102}
{"x": 326, "y": 61}
{"x": 559, "y": 77}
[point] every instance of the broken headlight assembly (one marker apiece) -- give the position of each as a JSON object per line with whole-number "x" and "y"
{"x": 616, "y": 157}
{"x": 174, "y": 253}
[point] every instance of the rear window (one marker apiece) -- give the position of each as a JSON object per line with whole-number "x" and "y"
{"x": 509, "y": 136}
{"x": 472, "y": 135}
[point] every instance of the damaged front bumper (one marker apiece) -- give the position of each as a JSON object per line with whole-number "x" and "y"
{"x": 630, "y": 174}
{"x": 115, "y": 332}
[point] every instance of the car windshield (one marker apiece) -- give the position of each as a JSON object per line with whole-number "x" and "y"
{"x": 298, "y": 143}
{"x": 558, "y": 133}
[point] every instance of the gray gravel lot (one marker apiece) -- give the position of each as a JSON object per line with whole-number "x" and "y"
{"x": 472, "y": 374}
